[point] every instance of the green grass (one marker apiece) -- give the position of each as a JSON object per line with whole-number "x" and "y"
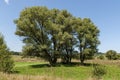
{"x": 113, "y": 73}
{"x": 63, "y": 71}
{"x": 72, "y": 72}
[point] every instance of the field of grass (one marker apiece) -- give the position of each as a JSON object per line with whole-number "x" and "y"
{"x": 62, "y": 71}
{"x": 40, "y": 70}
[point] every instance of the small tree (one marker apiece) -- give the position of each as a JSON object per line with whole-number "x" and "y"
{"x": 6, "y": 63}
{"x": 111, "y": 55}
{"x": 87, "y": 36}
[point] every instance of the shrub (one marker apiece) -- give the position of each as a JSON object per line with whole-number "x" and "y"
{"x": 6, "y": 63}
{"x": 118, "y": 56}
{"x": 98, "y": 71}
{"x": 101, "y": 57}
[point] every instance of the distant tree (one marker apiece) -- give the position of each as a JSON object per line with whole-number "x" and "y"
{"x": 15, "y": 53}
{"x": 102, "y": 57}
{"x": 87, "y": 35}
{"x": 6, "y": 63}
{"x": 111, "y": 55}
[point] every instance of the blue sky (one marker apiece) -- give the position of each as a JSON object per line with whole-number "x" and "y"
{"x": 104, "y": 13}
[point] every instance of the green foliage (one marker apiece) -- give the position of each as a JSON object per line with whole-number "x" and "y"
{"x": 111, "y": 55}
{"x": 15, "y": 53}
{"x": 118, "y": 56}
{"x": 98, "y": 71}
{"x": 29, "y": 50}
{"x": 6, "y": 63}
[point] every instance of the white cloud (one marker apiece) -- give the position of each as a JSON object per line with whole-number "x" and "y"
{"x": 6, "y": 1}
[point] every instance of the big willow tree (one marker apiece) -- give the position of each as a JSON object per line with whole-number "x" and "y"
{"x": 53, "y": 33}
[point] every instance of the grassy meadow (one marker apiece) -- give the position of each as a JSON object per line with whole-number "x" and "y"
{"x": 34, "y": 69}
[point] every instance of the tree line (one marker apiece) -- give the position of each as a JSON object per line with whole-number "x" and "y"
{"x": 110, "y": 55}
{"x": 53, "y": 33}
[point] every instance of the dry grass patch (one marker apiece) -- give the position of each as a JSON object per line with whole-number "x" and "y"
{"x": 4, "y": 76}
{"x": 104, "y": 62}
{"x": 18, "y": 58}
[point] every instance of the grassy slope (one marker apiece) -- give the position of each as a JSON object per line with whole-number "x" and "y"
{"x": 113, "y": 73}
{"x": 67, "y": 72}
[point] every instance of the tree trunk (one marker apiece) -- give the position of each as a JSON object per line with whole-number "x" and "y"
{"x": 52, "y": 60}
{"x": 70, "y": 57}
{"x": 67, "y": 57}
{"x": 82, "y": 62}
{"x": 81, "y": 56}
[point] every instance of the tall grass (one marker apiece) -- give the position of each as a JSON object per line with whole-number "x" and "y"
{"x": 4, "y": 76}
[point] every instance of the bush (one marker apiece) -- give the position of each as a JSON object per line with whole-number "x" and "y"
{"x": 111, "y": 55}
{"x": 118, "y": 56}
{"x": 6, "y": 63}
{"x": 101, "y": 57}
{"x": 98, "y": 71}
